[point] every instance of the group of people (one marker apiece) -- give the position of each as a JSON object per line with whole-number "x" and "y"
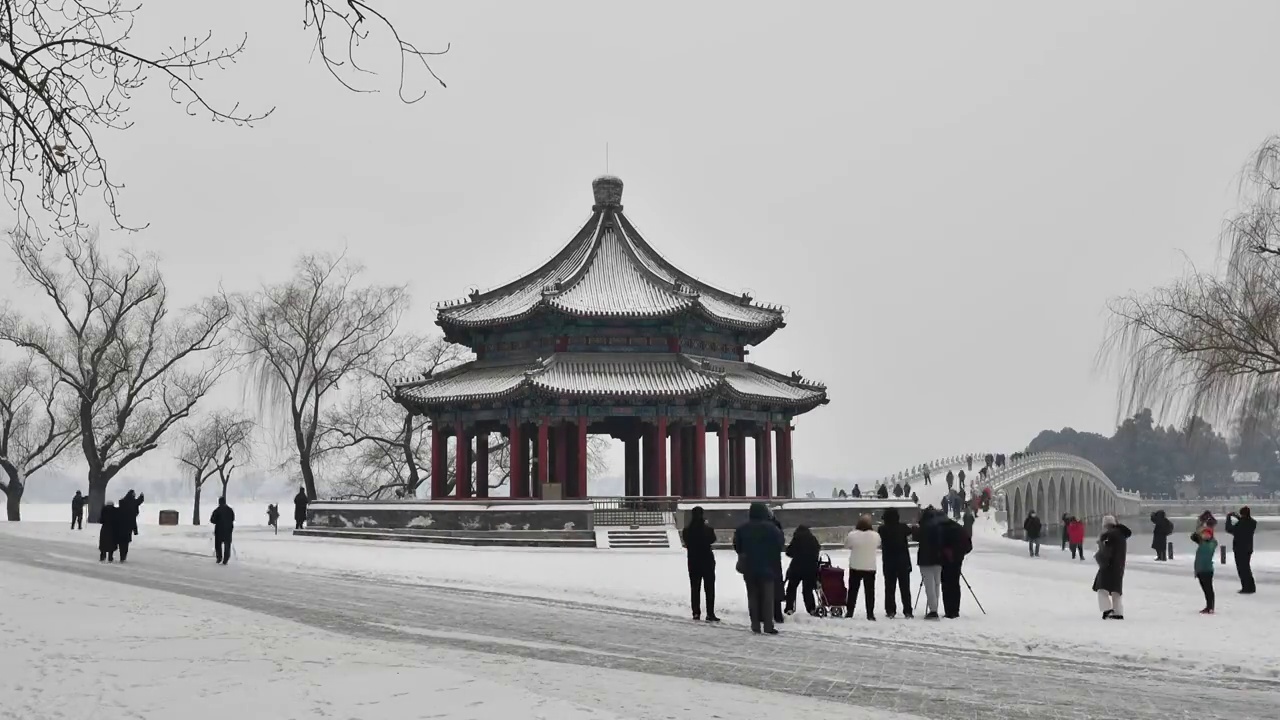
{"x": 771, "y": 594}
{"x": 1241, "y": 526}
{"x": 1073, "y": 530}
{"x": 119, "y": 524}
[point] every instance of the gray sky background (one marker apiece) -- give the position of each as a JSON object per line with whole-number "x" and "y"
{"x": 944, "y": 195}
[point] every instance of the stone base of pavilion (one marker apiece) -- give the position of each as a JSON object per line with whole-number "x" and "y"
{"x": 577, "y": 523}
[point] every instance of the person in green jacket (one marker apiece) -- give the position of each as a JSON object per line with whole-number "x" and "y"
{"x": 1206, "y": 548}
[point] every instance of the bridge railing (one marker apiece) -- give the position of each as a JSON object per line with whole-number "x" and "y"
{"x": 1037, "y": 462}
{"x": 916, "y": 472}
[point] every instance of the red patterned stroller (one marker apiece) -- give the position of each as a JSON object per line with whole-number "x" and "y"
{"x": 832, "y": 595}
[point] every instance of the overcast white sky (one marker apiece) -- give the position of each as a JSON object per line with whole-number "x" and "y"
{"x": 944, "y": 194}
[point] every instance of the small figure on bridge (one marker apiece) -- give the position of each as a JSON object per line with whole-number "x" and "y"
{"x": 951, "y": 479}
{"x": 1160, "y": 535}
{"x": 968, "y": 521}
{"x": 969, "y": 461}
{"x": 857, "y": 491}
{"x": 882, "y": 492}
{"x": 897, "y": 491}
{"x": 906, "y": 488}
{"x": 989, "y": 459}
{"x": 926, "y": 477}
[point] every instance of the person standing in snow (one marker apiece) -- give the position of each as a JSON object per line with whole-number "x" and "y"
{"x": 1109, "y": 582}
{"x": 780, "y": 580}
{"x": 862, "y": 543}
{"x": 956, "y": 543}
{"x": 951, "y": 480}
{"x": 969, "y": 461}
{"x": 1160, "y": 535}
{"x": 300, "y": 502}
{"x": 928, "y": 535}
{"x": 223, "y": 521}
{"x": 77, "y": 511}
{"x": 1206, "y": 548}
{"x": 1066, "y": 520}
{"x": 895, "y": 558}
{"x": 897, "y": 491}
{"x": 125, "y": 522}
{"x": 699, "y": 540}
{"x": 758, "y": 543}
{"x": 273, "y": 517}
{"x": 1241, "y": 528}
{"x": 107, "y": 533}
{"x": 906, "y": 488}
{"x": 1075, "y": 536}
{"x": 1031, "y": 528}
{"x": 802, "y": 573}
{"x": 968, "y": 521}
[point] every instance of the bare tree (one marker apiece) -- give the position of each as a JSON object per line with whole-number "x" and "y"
{"x": 36, "y": 425}
{"x": 1209, "y": 343}
{"x": 68, "y": 69}
{"x": 135, "y": 370}
{"x": 215, "y": 446}
{"x": 306, "y": 335}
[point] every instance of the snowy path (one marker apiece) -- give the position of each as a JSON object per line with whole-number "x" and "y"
{"x": 921, "y": 679}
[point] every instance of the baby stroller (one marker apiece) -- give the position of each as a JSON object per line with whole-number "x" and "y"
{"x": 831, "y": 592}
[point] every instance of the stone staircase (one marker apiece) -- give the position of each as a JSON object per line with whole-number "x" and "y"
{"x": 648, "y": 538}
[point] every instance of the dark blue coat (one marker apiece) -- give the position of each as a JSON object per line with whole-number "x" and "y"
{"x": 759, "y": 544}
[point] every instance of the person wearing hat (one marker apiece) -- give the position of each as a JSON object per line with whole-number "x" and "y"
{"x": 1206, "y": 547}
{"x": 1113, "y": 547}
{"x": 699, "y": 543}
{"x": 1241, "y": 526}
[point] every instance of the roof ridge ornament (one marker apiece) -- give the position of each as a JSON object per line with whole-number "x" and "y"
{"x": 607, "y": 190}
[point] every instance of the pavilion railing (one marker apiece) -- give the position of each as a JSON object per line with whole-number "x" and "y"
{"x": 628, "y": 511}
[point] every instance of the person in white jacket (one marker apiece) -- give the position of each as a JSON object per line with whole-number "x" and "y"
{"x": 862, "y": 543}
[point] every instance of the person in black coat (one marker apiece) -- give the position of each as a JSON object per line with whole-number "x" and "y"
{"x": 77, "y": 511}
{"x": 300, "y": 502}
{"x": 895, "y": 557}
{"x": 1031, "y": 527}
{"x": 1241, "y": 526}
{"x": 758, "y": 543}
{"x": 107, "y": 533}
{"x": 1163, "y": 528}
{"x": 803, "y": 550}
{"x": 929, "y": 557}
{"x": 857, "y": 491}
{"x": 1113, "y": 548}
{"x": 223, "y": 521}
{"x": 780, "y": 580}
{"x": 956, "y": 543}
{"x": 126, "y": 522}
{"x": 882, "y": 492}
{"x": 273, "y": 518}
{"x": 699, "y": 539}
{"x": 951, "y": 480}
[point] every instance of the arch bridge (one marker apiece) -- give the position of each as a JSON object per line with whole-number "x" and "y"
{"x": 1054, "y": 484}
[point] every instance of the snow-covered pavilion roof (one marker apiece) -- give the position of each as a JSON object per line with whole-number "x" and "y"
{"x": 608, "y": 271}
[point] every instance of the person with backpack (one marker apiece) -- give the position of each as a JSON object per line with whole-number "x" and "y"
{"x": 699, "y": 540}
{"x": 1241, "y": 527}
{"x": 1206, "y": 548}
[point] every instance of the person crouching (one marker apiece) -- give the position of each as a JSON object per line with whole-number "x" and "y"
{"x": 1206, "y": 548}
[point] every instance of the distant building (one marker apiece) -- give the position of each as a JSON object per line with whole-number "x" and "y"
{"x": 1188, "y": 488}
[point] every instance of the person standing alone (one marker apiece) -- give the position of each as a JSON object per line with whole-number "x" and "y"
{"x": 223, "y": 521}
{"x": 300, "y": 502}
{"x": 1241, "y": 527}
{"x": 1032, "y": 529}
{"x": 699, "y": 540}
{"x": 77, "y": 511}
{"x": 1075, "y": 534}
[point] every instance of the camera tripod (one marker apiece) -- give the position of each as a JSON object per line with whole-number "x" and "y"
{"x": 920, "y": 590}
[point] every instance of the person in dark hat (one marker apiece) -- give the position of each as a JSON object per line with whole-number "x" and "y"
{"x": 699, "y": 540}
{"x": 758, "y": 543}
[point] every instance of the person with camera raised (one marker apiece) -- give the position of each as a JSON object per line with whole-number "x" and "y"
{"x": 1241, "y": 527}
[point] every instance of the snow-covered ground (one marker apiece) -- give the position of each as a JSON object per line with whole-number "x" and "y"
{"x": 76, "y": 647}
{"x": 1042, "y": 606}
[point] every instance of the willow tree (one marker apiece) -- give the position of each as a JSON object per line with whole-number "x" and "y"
{"x": 1209, "y": 343}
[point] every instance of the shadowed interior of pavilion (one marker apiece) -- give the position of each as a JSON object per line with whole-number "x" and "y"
{"x": 610, "y": 338}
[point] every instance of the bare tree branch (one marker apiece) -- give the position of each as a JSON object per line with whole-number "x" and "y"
{"x": 215, "y": 446}
{"x": 134, "y": 370}
{"x": 37, "y": 423}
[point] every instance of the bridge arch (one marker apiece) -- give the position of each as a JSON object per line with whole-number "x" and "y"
{"x": 1054, "y": 484}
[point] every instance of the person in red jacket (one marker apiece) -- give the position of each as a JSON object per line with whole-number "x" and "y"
{"x": 1075, "y": 536}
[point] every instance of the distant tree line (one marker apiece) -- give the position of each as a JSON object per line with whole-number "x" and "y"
{"x": 1145, "y": 456}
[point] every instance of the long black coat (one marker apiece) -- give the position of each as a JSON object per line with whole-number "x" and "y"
{"x": 1113, "y": 546}
{"x": 107, "y": 529}
{"x": 1162, "y": 530}
{"x": 699, "y": 539}
{"x": 126, "y": 521}
{"x": 223, "y": 521}
{"x": 1242, "y": 530}
{"x": 804, "y": 551}
{"x": 300, "y": 503}
{"x": 895, "y": 553}
{"x": 1032, "y": 527}
{"x": 956, "y": 542}
{"x": 929, "y": 536}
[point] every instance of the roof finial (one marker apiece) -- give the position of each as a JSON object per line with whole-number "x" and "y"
{"x": 608, "y": 191}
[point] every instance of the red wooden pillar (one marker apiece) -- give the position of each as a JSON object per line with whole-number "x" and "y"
{"x": 756, "y": 447}
{"x": 482, "y": 464}
{"x": 740, "y": 458}
{"x": 660, "y": 452}
{"x": 462, "y": 475}
{"x": 677, "y": 477}
{"x": 766, "y": 461}
{"x": 724, "y": 458}
{"x": 518, "y": 466}
{"x": 439, "y": 462}
{"x": 785, "y": 465}
{"x": 700, "y": 458}
{"x": 542, "y": 454}
{"x": 580, "y": 490}
{"x": 562, "y": 458}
